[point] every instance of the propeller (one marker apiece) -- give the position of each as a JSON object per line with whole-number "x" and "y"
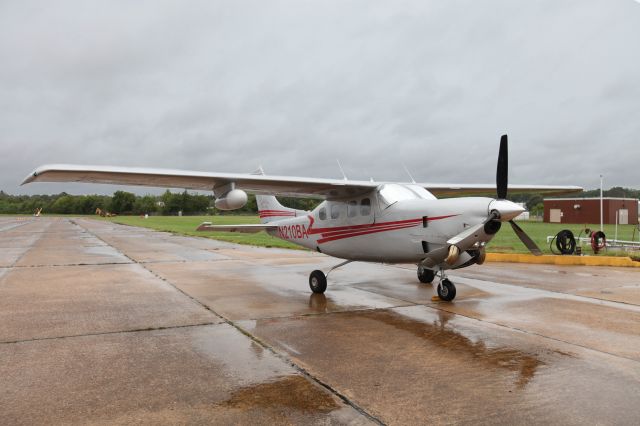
{"x": 502, "y": 182}
{"x": 502, "y": 172}
{"x": 526, "y": 240}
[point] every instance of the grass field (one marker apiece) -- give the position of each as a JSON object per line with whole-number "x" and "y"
{"x": 186, "y": 225}
{"x": 505, "y": 241}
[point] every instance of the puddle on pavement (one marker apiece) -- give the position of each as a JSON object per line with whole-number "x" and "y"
{"x": 290, "y": 393}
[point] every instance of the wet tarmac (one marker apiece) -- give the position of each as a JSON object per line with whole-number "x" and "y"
{"x": 104, "y": 323}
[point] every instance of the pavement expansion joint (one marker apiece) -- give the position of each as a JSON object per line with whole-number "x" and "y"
{"x": 106, "y": 333}
{"x": 153, "y": 262}
{"x": 55, "y": 265}
{"x": 11, "y": 228}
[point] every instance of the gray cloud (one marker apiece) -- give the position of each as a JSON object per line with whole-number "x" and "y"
{"x": 293, "y": 85}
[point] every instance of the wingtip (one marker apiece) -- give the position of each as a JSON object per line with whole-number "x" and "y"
{"x": 30, "y": 178}
{"x": 33, "y": 176}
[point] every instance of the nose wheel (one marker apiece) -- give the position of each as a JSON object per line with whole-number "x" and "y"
{"x": 446, "y": 290}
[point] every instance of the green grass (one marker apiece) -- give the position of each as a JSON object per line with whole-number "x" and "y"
{"x": 186, "y": 225}
{"x": 505, "y": 241}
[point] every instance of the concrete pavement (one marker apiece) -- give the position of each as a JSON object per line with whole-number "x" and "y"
{"x": 104, "y": 323}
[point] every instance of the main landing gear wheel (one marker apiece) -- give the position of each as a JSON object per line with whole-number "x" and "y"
{"x": 446, "y": 290}
{"x": 318, "y": 282}
{"x": 425, "y": 275}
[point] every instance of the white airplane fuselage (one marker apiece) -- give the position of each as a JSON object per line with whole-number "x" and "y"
{"x": 404, "y": 231}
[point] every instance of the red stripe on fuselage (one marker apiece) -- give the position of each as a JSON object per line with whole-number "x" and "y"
{"x": 363, "y": 232}
{"x": 340, "y": 232}
{"x": 342, "y": 229}
{"x": 276, "y": 213}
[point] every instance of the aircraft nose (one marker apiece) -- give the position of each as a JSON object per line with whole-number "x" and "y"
{"x": 507, "y": 209}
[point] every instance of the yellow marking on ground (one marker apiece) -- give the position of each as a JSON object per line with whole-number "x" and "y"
{"x": 562, "y": 260}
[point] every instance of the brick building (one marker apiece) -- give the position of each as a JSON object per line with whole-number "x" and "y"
{"x": 587, "y": 210}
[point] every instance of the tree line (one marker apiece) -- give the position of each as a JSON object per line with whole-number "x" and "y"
{"x": 170, "y": 203}
{"x": 127, "y": 203}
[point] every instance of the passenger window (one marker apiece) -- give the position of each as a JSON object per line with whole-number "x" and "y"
{"x": 322, "y": 214}
{"x": 352, "y": 208}
{"x": 365, "y": 207}
{"x": 335, "y": 211}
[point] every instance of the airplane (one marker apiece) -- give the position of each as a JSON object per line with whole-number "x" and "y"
{"x": 366, "y": 221}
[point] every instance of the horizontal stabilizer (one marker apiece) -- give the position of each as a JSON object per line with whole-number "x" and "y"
{"x": 246, "y": 229}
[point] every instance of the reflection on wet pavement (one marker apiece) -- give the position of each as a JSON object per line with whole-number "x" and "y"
{"x": 478, "y": 348}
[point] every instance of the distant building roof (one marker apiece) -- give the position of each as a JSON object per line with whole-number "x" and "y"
{"x": 590, "y": 198}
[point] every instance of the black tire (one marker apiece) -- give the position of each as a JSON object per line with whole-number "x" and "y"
{"x": 446, "y": 290}
{"x": 317, "y": 282}
{"x": 425, "y": 275}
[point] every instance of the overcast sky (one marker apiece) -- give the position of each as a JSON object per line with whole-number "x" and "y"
{"x": 292, "y": 85}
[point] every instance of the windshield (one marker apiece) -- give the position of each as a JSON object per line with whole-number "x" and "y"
{"x": 422, "y": 193}
{"x": 391, "y": 193}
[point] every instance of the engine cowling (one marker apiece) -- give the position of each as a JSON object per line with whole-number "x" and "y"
{"x": 232, "y": 200}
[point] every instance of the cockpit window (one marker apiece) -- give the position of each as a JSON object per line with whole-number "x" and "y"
{"x": 335, "y": 210}
{"x": 365, "y": 207}
{"x": 352, "y": 208}
{"x": 421, "y": 192}
{"x": 322, "y": 214}
{"x": 391, "y": 193}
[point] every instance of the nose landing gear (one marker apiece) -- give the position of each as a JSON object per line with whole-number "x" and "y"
{"x": 446, "y": 290}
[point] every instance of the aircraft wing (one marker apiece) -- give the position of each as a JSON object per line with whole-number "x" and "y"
{"x": 246, "y": 229}
{"x": 258, "y": 184}
{"x": 166, "y": 178}
{"x": 462, "y": 190}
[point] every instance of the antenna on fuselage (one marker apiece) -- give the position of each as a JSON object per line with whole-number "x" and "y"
{"x": 258, "y": 171}
{"x": 341, "y": 169}
{"x": 409, "y": 173}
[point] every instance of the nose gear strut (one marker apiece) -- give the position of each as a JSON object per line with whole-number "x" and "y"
{"x": 445, "y": 289}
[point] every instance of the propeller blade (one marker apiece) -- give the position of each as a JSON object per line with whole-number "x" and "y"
{"x": 526, "y": 240}
{"x": 502, "y": 172}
